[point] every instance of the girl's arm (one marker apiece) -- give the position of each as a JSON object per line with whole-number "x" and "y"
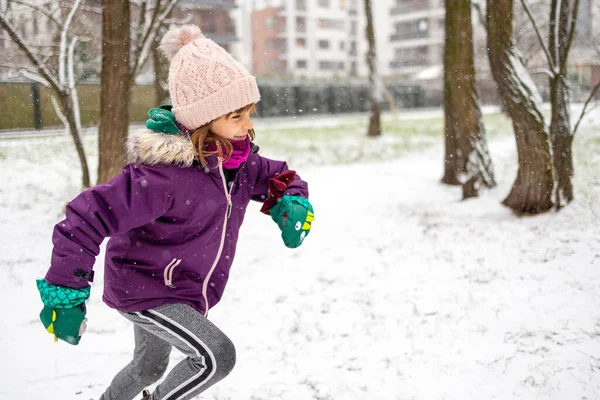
{"x": 263, "y": 169}
{"x": 133, "y": 198}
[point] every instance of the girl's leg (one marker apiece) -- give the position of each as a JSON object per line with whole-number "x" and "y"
{"x": 210, "y": 354}
{"x": 150, "y": 361}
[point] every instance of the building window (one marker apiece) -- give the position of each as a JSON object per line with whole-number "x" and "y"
{"x": 331, "y": 24}
{"x": 301, "y": 43}
{"x": 324, "y": 44}
{"x": 301, "y": 64}
{"x": 342, "y": 46}
{"x": 273, "y": 65}
{"x": 324, "y": 3}
{"x": 415, "y": 56}
{"x": 301, "y": 5}
{"x": 353, "y": 48}
{"x": 300, "y": 24}
{"x": 325, "y": 65}
{"x": 276, "y": 44}
{"x": 353, "y": 27}
{"x": 269, "y": 22}
{"x": 412, "y": 30}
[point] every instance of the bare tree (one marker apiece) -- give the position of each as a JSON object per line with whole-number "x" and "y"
{"x": 138, "y": 42}
{"x": 376, "y": 89}
{"x": 532, "y": 190}
{"x": 61, "y": 81}
{"x": 467, "y": 160}
{"x": 561, "y": 32}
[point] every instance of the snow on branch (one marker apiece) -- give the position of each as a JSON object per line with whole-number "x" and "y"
{"x": 152, "y": 27}
{"x": 585, "y": 106}
{"x": 40, "y": 66}
{"x": 42, "y": 10}
{"x": 563, "y": 60}
{"x": 63, "y": 43}
{"x": 539, "y": 36}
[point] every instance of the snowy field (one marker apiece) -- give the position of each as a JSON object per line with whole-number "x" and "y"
{"x": 401, "y": 291}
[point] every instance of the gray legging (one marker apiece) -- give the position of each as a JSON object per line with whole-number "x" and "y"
{"x": 210, "y": 355}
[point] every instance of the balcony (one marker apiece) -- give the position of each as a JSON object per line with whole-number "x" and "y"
{"x": 410, "y": 7}
{"x": 414, "y": 62}
{"x": 226, "y": 38}
{"x": 398, "y": 36}
{"x": 207, "y": 4}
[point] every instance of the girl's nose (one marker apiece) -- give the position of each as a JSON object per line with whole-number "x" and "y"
{"x": 248, "y": 124}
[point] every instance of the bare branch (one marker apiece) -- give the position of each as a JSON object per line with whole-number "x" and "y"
{"x": 34, "y": 76}
{"x": 17, "y": 67}
{"x": 42, "y": 10}
{"x": 149, "y": 39}
{"x": 181, "y": 21}
{"x": 556, "y": 12}
{"x": 82, "y": 7}
{"x": 563, "y": 60}
{"x": 42, "y": 69}
{"x": 148, "y": 31}
{"x": 73, "y": 90}
{"x": 63, "y": 43}
{"x": 585, "y": 106}
{"x": 542, "y": 71}
{"x": 480, "y": 14}
{"x": 539, "y": 36}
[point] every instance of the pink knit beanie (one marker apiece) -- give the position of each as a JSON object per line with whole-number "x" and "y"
{"x": 205, "y": 82}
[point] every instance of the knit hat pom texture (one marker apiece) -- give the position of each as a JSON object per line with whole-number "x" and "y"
{"x": 176, "y": 38}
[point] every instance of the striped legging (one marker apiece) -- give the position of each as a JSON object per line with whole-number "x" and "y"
{"x": 210, "y": 355}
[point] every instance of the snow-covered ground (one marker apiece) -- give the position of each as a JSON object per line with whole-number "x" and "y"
{"x": 401, "y": 291}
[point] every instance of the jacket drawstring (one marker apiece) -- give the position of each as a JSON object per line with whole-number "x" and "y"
{"x": 168, "y": 273}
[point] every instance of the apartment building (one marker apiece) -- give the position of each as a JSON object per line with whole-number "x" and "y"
{"x": 414, "y": 37}
{"x": 309, "y": 38}
{"x": 213, "y": 17}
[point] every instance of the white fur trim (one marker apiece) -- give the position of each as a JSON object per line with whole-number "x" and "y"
{"x": 150, "y": 148}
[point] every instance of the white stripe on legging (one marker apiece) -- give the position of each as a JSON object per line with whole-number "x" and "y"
{"x": 212, "y": 357}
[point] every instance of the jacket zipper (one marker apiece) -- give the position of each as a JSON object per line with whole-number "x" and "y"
{"x": 223, "y": 234}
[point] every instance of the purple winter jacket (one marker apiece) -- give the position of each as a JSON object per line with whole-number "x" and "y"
{"x": 171, "y": 238}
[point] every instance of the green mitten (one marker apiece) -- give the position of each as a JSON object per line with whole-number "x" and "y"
{"x": 294, "y": 216}
{"x": 66, "y": 324}
{"x": 162, "y": 120}
{"x": 64, "y": 311}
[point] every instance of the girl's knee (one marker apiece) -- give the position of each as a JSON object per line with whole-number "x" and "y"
{"x": 222, "y": 357}
{"x": 226, "y": 356}
{"x": 152, "y": 372}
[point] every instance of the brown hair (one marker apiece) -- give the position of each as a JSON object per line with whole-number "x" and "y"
{"x": 207, "y": 143}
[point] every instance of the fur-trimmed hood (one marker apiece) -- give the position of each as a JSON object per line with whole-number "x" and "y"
{"x": 151, "y": 148}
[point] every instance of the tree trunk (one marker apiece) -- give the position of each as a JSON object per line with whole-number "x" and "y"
{"x": 532, "y": 190}
{"x": 115, "y": 90}
{"x": 561, "y": 134}
{"x": 468, "y": 159}
{"x": 69, "y": 113}
{"x": 453, "y": 167}
{"x": 375, "y": 83}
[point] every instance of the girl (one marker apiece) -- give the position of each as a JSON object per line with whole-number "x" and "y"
{"x": 173, "y": 217}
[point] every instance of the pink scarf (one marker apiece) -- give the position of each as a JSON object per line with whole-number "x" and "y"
{"x": 239, "y": 155}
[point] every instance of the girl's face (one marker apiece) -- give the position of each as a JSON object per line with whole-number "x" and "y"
{"x": 234, "y": 126}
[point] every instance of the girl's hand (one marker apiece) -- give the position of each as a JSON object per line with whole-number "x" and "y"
{"x": 294, "y": 216}
{"x": 64, "y": 311}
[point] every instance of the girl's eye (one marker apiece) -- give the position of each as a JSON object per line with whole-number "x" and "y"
{"x": 236, "y": 117}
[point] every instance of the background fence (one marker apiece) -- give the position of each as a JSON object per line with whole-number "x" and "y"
{"x": 28, "y": 105}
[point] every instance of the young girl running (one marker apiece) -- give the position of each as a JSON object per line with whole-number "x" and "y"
{"x": 173, "y": 217}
